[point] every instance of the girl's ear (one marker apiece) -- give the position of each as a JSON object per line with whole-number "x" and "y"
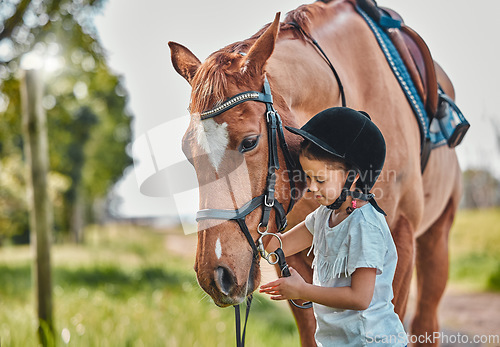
{"x": 354, "y": 183}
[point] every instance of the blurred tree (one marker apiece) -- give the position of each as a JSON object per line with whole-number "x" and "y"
{"x": 496, "y": 128}
{"x": 86, "y": 104}
{"x": 14, "y": 219}
{"x": 481, "y": 189}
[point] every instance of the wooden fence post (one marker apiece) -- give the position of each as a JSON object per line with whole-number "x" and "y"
{"x": 41, "y": 223}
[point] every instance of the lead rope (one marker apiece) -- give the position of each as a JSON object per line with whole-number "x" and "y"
{"x": 285, "y": 272}
{"x": 240, "y": 338}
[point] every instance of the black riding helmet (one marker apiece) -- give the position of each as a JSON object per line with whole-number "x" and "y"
{"x": 352, "y": 136}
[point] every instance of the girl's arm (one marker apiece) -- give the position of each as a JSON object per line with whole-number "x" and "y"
{"x": 357, "y": 296}
{"x": 295, "y": 240}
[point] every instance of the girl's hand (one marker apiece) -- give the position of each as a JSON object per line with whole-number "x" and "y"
{"x": 285, "y": 288}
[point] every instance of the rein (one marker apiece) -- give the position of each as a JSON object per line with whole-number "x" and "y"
{"x": 335, "y": 73}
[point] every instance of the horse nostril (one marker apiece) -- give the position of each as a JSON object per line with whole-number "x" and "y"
{"x": 224, "y": 279}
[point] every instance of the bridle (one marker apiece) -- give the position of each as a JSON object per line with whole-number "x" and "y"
{"x": 267, "y": 200}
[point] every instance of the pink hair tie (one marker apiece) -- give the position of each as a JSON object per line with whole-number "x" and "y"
{"x": 354, "y": 203}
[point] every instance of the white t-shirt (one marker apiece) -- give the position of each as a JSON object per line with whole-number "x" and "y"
{"x": 363, "y": 239}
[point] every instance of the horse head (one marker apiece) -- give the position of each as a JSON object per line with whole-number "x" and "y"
{"x": 229, "y": 152}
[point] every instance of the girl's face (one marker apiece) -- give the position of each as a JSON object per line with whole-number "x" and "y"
{"x": 324, "y": 180}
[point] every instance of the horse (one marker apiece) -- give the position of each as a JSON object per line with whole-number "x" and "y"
{"x": 228, "y": 147}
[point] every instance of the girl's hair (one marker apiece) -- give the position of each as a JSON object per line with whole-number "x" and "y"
{"x": 312, "y": 151}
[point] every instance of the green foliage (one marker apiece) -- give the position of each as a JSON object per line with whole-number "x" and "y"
{"x": 13, "y": 206}
{"x": 494, "y": 279}
{"x": 123, "y": 289}
{"x": 85, "y": 102}
{"x": 475, "y": 249}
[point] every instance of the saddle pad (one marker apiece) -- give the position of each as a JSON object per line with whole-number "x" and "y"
{"x": 427, "y": 132}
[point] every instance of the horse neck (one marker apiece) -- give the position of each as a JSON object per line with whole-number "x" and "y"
{"x": 302, "y": 76}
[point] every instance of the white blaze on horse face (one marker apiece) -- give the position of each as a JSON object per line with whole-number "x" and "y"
{"x": 218, "y": 249}
{"x": 213, "y": 138}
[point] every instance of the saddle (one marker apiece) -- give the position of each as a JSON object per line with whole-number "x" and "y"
{"x": 417, "y": 58}
{"x": 413, "y": 51}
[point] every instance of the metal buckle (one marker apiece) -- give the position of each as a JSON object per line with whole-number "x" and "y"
{"x": 269, "y": 113}
{"x": 266, "y": 203}
{"x": 284, "y": 225}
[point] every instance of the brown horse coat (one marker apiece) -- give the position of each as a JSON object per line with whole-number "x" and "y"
{"x": 420, "y": 208}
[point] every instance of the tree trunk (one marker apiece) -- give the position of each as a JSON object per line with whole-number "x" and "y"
{"x": 41, "y": 223}
{"x": 77, "y": 216}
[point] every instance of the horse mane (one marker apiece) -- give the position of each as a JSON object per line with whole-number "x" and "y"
{"x": 211, "y": 80}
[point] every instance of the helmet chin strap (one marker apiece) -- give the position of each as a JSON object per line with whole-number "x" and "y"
{"x": 356, "y": 194}
{"x": 345, "y": 191}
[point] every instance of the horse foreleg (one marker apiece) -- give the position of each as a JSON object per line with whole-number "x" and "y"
{"x": 432, "y": 275}
{"x": 403, "y": 235}
{"x": 306, "y": 323}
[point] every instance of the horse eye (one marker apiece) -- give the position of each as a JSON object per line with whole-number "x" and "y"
{"x": 249, "y": 143}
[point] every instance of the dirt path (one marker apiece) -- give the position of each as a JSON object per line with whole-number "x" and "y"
{"x": 463, "y": 316}
{"x": 472, "y": 313}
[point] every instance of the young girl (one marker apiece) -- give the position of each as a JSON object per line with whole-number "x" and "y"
{"x": 342, "y": 155}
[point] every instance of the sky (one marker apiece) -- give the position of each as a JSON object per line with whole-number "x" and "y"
{"x": 462, "y": 38}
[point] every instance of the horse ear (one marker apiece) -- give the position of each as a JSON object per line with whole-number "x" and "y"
{"x": 263, "y": 47}
{"x": 185, "y": 62}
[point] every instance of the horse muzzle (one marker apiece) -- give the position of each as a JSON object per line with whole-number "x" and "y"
{"x": 232, "y": 277}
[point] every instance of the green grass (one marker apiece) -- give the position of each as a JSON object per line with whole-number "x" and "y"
{"x": 123, "y": 288}
{"x": 475, "y": 250}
